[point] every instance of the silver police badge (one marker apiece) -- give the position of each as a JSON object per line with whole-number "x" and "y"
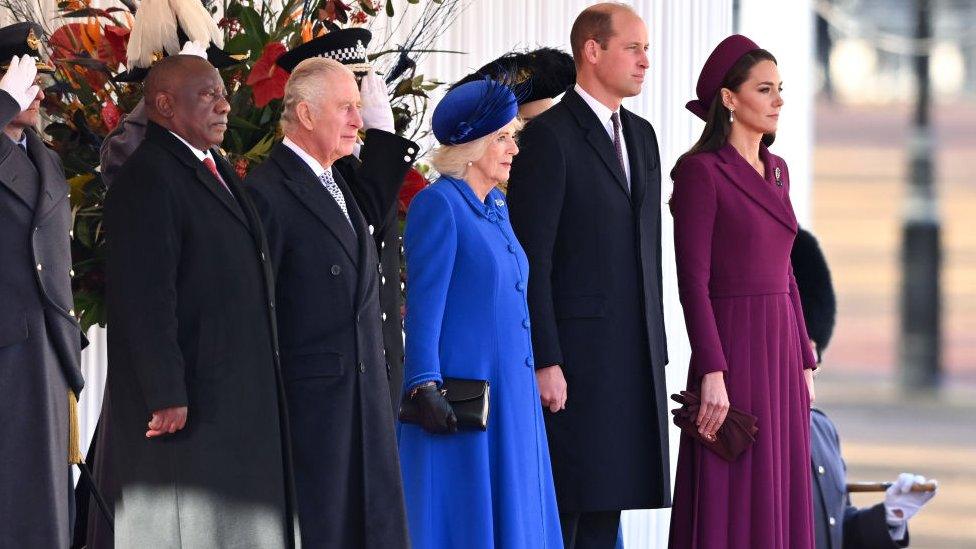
{"x": 778, "y": 175}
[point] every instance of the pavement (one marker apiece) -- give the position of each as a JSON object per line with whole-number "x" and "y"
{"x": 860, "y": 170}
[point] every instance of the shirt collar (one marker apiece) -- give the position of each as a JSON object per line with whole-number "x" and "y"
{"x": 22, "y": 141}
{"x": 314, "y": 164}
{"x": 602, "y": 111}
{"x": 201, "y": 155}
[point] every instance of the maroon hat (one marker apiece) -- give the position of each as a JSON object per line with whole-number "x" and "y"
{"x": 726, "y": 53}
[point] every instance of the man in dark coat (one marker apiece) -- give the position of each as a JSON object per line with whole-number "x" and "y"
{"x": 40, "y": 339}
{"x": 327, "y": 275}
{"x": 585, "y": 197}
{"x": 837, "y": 522}
{"x": 194, "y": 431}
{"x": 375, "y": 173}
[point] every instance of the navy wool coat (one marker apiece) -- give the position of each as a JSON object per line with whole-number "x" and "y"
{"x": 595, "y": 297}
{"x": 327, "y": 285}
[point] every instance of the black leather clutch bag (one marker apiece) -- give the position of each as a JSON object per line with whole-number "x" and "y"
{"x": 467, "y": 397}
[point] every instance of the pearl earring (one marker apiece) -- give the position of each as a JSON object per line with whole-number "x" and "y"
{"x": 470, "y": 163}
{"x": 731, "y": 116}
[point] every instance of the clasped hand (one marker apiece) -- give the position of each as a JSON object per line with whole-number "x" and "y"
{"x": 166, "y": 421}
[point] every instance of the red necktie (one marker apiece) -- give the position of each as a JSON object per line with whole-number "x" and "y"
{"x": 212, "y": 166}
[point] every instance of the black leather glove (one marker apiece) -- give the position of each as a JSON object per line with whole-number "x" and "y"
{"x": 436, "y": 415}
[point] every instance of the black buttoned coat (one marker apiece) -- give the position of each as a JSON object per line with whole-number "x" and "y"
{"x": 595, "y": 298}
{"x": 375, "y": 179}
{"x": 327, "y": 275}
{"x": 190, "y": 323}
{"x": 40, "y": 342}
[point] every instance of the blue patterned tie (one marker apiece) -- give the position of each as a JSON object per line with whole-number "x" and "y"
{"x": 330, "y": 184}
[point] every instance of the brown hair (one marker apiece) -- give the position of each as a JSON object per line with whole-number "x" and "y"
{"x": 717, "y": 125}
{"x": 594, "y": 23}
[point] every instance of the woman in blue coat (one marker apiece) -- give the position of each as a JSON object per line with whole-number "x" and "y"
{"x": 467, "y": 317}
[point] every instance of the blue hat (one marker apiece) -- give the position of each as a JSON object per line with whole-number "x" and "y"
{"x": 473, "y": 110}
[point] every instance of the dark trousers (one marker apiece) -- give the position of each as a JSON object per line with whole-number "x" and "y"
{"x": 596, "y": 530}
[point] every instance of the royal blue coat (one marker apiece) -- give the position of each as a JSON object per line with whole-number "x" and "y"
{"x": 467, "y": 317}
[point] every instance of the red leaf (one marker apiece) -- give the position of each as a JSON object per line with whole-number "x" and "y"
{"x": 267, "y": 80}
{"x": 413, "y": 183}
{"x": 111, "y": 115}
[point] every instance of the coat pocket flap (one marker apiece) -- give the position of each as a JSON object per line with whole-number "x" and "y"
{"x": 13, "y": 329}
{"x": 312, "y": 365}
{"x": 463, "y": 390}
{"x": 594, "y": 306}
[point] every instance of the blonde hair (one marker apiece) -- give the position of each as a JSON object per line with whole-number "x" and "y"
{"x": 453, "y": 160}
{"x": 308, "y": 83}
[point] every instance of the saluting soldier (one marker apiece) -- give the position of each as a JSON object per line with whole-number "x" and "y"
{"x": 40, "y": 339}
{"x": 375, "y": 172}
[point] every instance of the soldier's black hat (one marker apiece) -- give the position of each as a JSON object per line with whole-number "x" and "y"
{"x": 347, "y": 46}
{"x": 23, "y": 39}
{"x": 816, "y": 289}
{"x": 533, "y": 75}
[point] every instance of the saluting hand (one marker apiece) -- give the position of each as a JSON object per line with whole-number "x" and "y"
{"x": 714, "y": 404}
{"x": 377, "y": 112}
{"x": 18, "y": 81}
{"x": 166, "y": 421}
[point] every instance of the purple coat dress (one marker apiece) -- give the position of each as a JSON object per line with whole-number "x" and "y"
{"x": 733, "y": 231}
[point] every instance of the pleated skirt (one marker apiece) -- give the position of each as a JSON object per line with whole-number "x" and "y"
{"x": 763, "y": 499}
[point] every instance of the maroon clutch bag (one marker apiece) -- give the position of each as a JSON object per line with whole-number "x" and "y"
{"x": 733, "y": 437}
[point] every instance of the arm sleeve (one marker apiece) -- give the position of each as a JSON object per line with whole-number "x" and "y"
{"x": 809, "y": 360}
{"x": 384, "y": 161}
{"x": 694, "y": 205}
{"x": 122, "y": 142}
{"x": 430, "y": 246}
{"x": 536, "y": 189}
{"x": 867, "y": 527}
{"x": 270, "y": 223}
{"x": 142, "y": 224}
{"x": 9, "y": 108}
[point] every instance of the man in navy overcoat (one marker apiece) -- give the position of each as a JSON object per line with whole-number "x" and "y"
{"x": 585, "y": 202}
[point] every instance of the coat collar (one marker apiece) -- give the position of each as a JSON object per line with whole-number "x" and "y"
{"x": 493, "y": 208}
{"x": 53, "y": 186}
{"x": 761, "y": 190}
{"x": 163, "y": 138}
{"x": 596, "y": 136}
{"x": 301, "y": 181}
{"x": 21, "y": 187}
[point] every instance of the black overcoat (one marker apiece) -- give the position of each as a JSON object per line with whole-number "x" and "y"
{"x": 375, "y": 179}
{"x": 40, "y": 341}
{"x": 327, "y": 275}
{"x": 595, "y": 299}
{"x": 190, "y": 323}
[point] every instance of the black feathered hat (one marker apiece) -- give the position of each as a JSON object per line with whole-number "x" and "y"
{"x": 161, "y": 27}
{"x": 816, "y": 289}
{"x": 347, "y": 46}
{"x": 533, "y": 75}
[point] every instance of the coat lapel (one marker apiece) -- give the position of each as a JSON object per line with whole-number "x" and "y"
{"x": 22, "y": 187}
{"x": 53, "y": 186}
{"x": 748, "y": 180}
{"x": 637, "y": 155}
{"x": 596, "y": 136}
{"x": 300, "y": 180}
{"x": 162, "y": 137}
{"x": 364, "y": 243}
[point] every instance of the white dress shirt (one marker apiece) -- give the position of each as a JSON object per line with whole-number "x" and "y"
{"x": 603, "y": 113}
{"x": 201, "y": 155}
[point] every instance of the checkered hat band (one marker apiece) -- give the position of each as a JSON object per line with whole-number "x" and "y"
{"x": 346, "y": 55}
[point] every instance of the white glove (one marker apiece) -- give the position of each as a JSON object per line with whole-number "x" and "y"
{"x": 18, "y": 81}
{"x": 377, "y": 113}
{"x": 901, "y": 503}
{"x": 194, "y": 48}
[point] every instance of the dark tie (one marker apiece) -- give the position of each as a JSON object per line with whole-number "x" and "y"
{"x": 617, "y": 145}
{"x": 212, "y": 166}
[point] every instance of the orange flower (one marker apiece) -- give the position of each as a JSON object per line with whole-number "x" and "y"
{"x": 267, "y": 80}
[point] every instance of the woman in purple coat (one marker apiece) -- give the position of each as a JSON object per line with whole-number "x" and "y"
{"x": 733, "y": 232}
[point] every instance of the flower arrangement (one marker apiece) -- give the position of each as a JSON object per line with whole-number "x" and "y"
{"x": 86, "y": 102}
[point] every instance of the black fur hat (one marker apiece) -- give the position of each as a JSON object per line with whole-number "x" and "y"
{"x": 816, "y": 289}
{"x": 533, "y": 75}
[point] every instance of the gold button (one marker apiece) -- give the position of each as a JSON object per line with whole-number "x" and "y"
{"x": 383, "y": 316}
{"x": 71, "y": 272}
{"x": 371, "y": 229}
{"x": 40, "y": 267}
{"x": 832, "y": 521}
{"x": 71, "y": 312}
